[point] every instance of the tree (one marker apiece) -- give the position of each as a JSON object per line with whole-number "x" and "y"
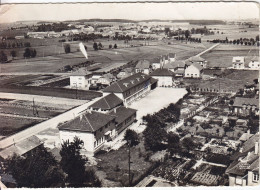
{"x": 27, "y": 53}
{"x": 3, "y": 57}
{"x": 33, "y": 52}
{"x": 131, "y": 136}
{"x": 187, "y": 34}
{"x": 188, "y": 144}
{"x": 115, "y": 46}
{"x": 36, "y": 169}
{"x": 13, "y": 53}
{"x": 100, "y": 45}
{"x": 67, "y": 48}
{"x": 95, "y": 46}
{"x": 27, "y": 44}
{"x": 110, "y": 46}
{"x": 73, "y": 164}
{"x": 173, "y": 142}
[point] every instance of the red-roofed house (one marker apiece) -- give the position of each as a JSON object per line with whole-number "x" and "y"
{"x": 93, "y": 128}
{"x": 130, "y": 88}
{"x": 194, "y": 71}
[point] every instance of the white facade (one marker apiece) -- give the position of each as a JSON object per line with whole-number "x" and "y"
{"x": 145, "y": 71}
{"x": 254, "y": 64}
{"x": 238, "y": 62}
{"x": 192, "y": 72}
{"x": 156, "y": 66}
{"x": 78, "y": 81}
{"x": 164, "y": 80}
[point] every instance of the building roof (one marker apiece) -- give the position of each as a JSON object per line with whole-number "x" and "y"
{"x": 143, "y": 64}
{"x": 122, "y": 113}
{"x": 107, "y": 102}
{"x": 172, "y": 55}
{"x": 197, "y": 65}
{"x": 240, "y": 101}
{"x": 87, "y": 122}
{"x": 162, "y": 72}
{"x": 196, "y": 59}
{"x": 127, "y": 83}
{"x": 21, "y": 147}
{"x": 238, "y": 59}
{"x": 175, "y": 64}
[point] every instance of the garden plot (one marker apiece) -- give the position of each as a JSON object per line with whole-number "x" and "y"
{"x": 205, "y": 179}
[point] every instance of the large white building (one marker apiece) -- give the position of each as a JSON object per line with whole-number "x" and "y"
{"x": 78, "y": 80}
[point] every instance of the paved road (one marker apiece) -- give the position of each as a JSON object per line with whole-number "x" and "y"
{"x": 51, "y": 123}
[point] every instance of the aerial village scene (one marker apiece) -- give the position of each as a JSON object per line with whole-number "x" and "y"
{"x": 106, "y": 99}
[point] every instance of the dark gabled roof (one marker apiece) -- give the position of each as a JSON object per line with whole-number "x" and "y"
{"x": 172, "y": 55}
{"x": 240, "y": 101}
{"x": 143, "y": 64}
{"x": 127, "y": 83}
{"x": 108, "y": 102}
{"x": 87, "y": 122}
{"x": 162, "y": 72}
{"x": 122, "y": 113}
{"x": 196, "y": 58}
{"x": 153, "y": 80}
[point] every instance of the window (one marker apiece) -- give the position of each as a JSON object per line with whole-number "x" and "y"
{"x": 255, "y": 177}
{"x": 95, "y": 144}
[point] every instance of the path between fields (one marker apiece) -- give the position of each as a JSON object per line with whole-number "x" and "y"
{"x": 23, "y": 116}
{"x": 205, "y": 51}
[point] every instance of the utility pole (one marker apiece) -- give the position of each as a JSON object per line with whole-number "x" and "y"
{"x": 129, "y": 162}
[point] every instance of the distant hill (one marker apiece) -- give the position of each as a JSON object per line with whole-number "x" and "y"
{"x": 197, "y": 22}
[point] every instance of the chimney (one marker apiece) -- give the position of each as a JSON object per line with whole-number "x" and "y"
{"x": 248, "y": 131}
{"x": 115, "y": 110}
{"x": 256, "y": 147}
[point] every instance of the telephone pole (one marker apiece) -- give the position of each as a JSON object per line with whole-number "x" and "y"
{"x": 129, "y": 162}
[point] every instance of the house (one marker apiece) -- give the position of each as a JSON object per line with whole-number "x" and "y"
{"x": 78, "y": 80}
{"x": 94, "y": 79}
{"x": 164, "y": 60}
{"x": 254, "y": 63}
{"x": 172, "y": 57}
{"x": 143, "y": 66}
{"x": 106, "y": 104}
{"x": 244, "y": 170}
{"x": 93, "y": 128}
{"x": 238, "y": 62}
{"x": 22, "y": 147}
{"x": 164, "y": 77}
{"x": 125, "y": 73}
{"x": 156, "y": 63}
{"x": 199, "y": 60}
{"x": 193, "y": 71}
{"x": 130, "y": 88}
{"x": 106, "y": 79}
{"x": 178, "y": 67}
{"x": 246, "y": 106}
{"x": 124, "y": 117}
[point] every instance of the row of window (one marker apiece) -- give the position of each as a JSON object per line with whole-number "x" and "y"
{"x": 99, "y": 142}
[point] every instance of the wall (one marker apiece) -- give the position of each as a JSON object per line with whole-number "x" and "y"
{"x": 250, "y": 179}
{"x": 254, "y": 64}
{"x": 121, "y": 126}
{"x": 164, "y": 80}
{"x": 87, "y": 138}
{"x": 192, "y": 71}
{"x": 78, "y": 81}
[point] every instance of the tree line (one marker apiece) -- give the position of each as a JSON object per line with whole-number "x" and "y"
{"x": 4, "y": 45}
{"x": 241, "y": 41}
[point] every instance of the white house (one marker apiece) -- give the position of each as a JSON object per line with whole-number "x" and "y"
{"x": 143, "y": 66}
{"x": 194, "y": 71}
{"x": 93, "y": 128}
{"x": 164, "y": 77}
{"x": 156, "y": 63}
{"x": 78, "y": 80}
{"x": 238, "y": 62}
{"x": 172, "y": 57}
{"x": 254, "y": 63}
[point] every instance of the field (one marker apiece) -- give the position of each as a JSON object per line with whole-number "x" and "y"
{"x": 223, "y": 54}
{"x": 56, "y": 61}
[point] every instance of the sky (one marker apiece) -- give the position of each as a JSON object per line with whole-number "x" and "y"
{"x": 132, "y": 11}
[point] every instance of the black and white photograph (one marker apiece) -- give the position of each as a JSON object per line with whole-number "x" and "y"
{"x": 129, "y": 94}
